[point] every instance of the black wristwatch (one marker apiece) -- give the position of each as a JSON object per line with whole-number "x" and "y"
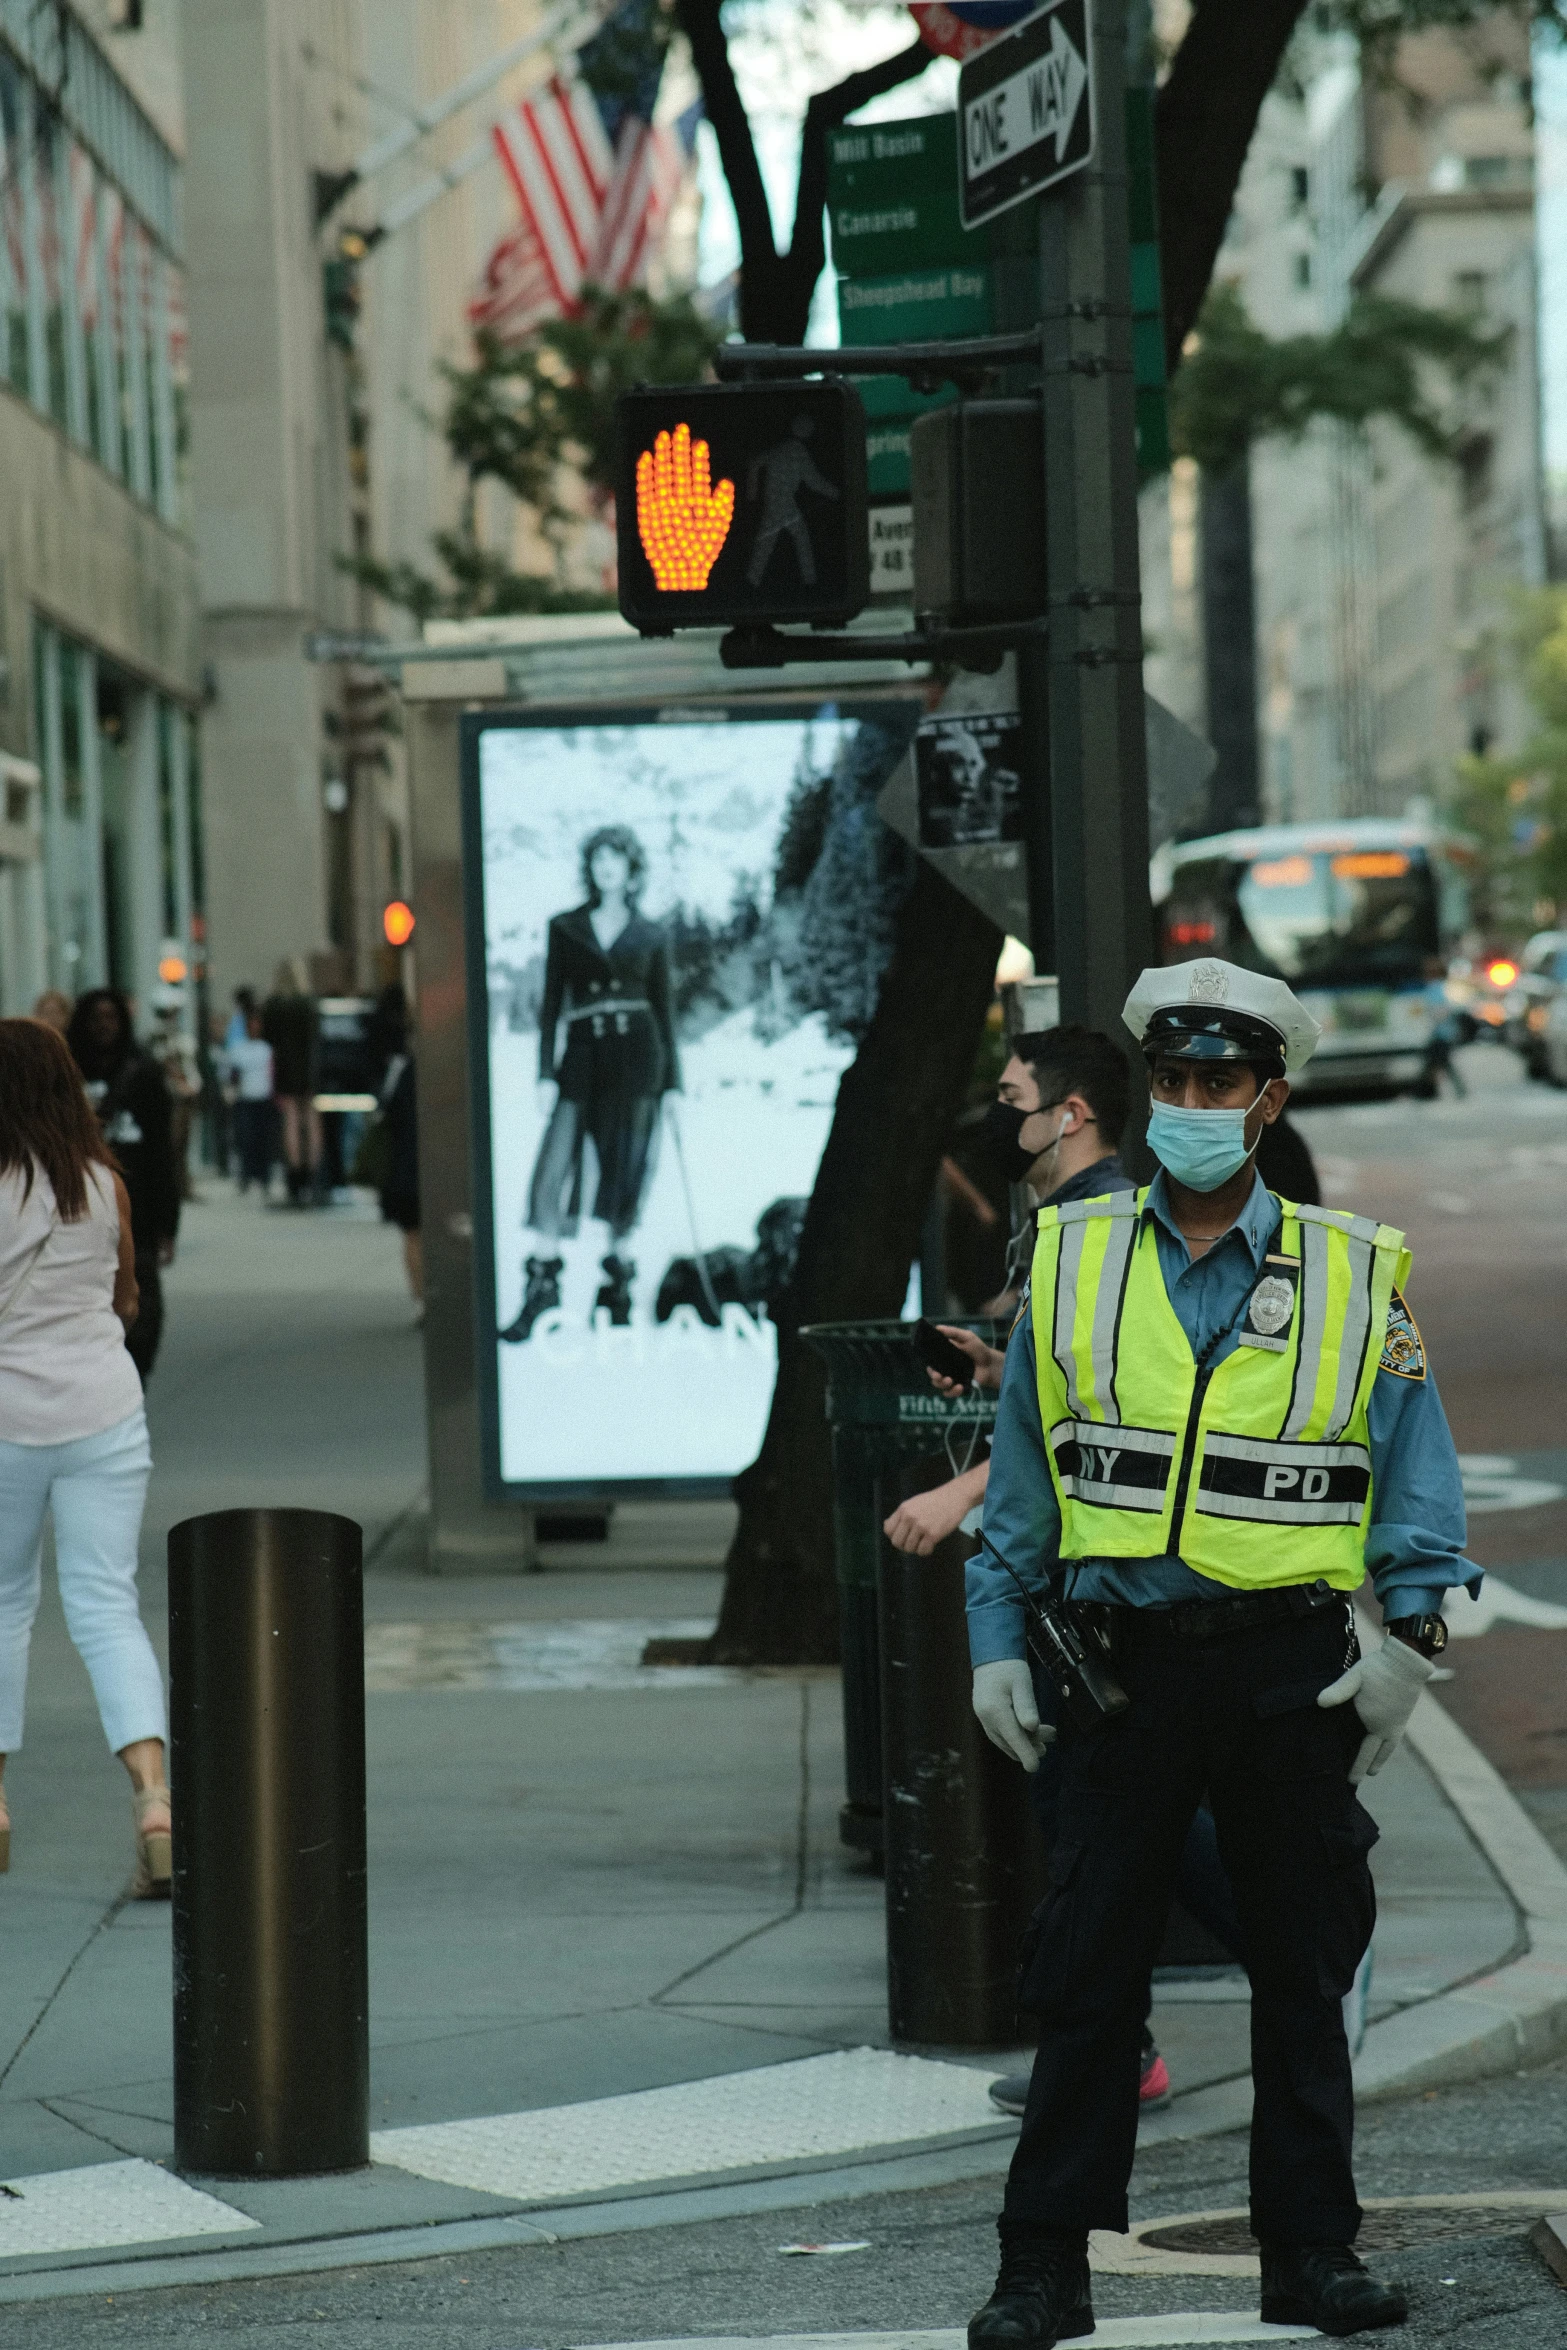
{"x": 1428, "y": 1634}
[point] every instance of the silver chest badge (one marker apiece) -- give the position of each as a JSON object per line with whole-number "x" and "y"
{"x": 1272, "y": 1303}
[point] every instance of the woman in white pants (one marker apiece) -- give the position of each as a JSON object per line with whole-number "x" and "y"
{"x": 73, "y": 1434}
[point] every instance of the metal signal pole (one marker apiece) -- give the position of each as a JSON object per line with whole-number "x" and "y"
{"x": 1098, "y": 748}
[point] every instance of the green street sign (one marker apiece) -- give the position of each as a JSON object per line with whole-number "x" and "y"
{"x": 892, "y": 197}
{"x": 915, "y": 305}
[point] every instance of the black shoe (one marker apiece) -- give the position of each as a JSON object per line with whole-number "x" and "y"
{"x": 1010, "y": 2093}
{"x": 615, "y": 1290}
{"x": 1326, "y": 2286}
{"x": 541, "y": 1292}
{"x": 1041, "y": 2296}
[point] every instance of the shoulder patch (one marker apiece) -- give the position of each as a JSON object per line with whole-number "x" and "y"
{"x": 1403, "y": 1349}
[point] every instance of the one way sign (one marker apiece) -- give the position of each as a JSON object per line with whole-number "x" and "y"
{"x": 1026, "y": 111}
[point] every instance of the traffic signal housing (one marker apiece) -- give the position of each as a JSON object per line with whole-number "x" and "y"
{"x": 741, "y": 504}
{"x": 978, "y": 490}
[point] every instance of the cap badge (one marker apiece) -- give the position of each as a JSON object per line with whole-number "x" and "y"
{"x": 1209, "y": 984}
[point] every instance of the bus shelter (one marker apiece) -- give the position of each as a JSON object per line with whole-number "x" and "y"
{"x": 642, "y": 883}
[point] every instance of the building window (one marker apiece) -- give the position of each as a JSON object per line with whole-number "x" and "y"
{"x": 1300, "y": 187}
{"x": 1495, "y": 171}
{"x": 1469, "y": 291}
{"x": 1303, "y": 269}
{"x": 121, "y": 840}
{"x": 91, "y": 295}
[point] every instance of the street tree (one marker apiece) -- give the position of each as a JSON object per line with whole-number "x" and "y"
{"x": 538, "y": 417}
{"x": 1514, "y": 810}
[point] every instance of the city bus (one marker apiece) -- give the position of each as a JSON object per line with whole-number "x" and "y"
{"x": 1360, "y": 917}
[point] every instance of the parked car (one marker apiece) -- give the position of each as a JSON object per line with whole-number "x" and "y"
{"x": 1542, "y": 977}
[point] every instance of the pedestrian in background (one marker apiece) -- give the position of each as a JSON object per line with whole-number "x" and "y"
{"x": 288, "y": 1022}
{"x": 53, "y": 1008}
{"x": 174, "y": 1049}
{"x": 131, "y": 1096}
{"x": 75, "y": 1430}
{"x": 239, "y": 1019}
{"x": 247, "y": 1064}
{"x": 399, "y": 1176}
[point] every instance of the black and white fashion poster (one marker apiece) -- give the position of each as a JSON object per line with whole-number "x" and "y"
{"x": 967, "y": 770}
{"x": 685, "y": 922}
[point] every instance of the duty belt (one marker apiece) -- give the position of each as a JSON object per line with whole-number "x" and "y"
{"x": 1216, "y": 1619}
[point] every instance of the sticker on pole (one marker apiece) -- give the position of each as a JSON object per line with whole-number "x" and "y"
{"x": 1026, "y": 111}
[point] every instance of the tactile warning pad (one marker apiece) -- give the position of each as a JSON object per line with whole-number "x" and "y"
{"x": 814, "y": 2106}
{"x": 106, "y": 2204}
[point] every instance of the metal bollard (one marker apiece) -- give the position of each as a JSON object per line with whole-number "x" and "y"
{"x": 267, "y": 1771}
{"x": 964, "y": 1868}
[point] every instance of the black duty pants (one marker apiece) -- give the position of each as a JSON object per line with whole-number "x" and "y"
{"x": 1236, "y": 1716}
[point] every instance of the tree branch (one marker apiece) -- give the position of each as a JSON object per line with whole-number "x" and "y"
{"x": 776, "y": 288}
{"x": 824, "y": 113}
{"x": 1204, "y": 120}
{"x": 700, "y": 20}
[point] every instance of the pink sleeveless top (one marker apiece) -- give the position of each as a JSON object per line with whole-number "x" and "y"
{"x": 64, "y": 1371}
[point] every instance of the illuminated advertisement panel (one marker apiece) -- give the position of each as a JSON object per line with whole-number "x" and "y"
{"x": 677, "y": 922}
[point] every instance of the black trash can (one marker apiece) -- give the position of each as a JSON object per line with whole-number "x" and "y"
{"x": 965, "y": 1866}
{"x": 892, "y": 1435}
{"x": 945, "y": 1815}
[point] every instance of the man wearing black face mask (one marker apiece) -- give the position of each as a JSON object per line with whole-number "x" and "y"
{"x": 1058, "y": 1114}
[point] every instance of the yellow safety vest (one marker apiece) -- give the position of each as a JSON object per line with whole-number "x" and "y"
{"x": 1257, "y": 1472}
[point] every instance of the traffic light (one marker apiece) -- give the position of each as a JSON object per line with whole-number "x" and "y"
{"x": 739, "y": 504}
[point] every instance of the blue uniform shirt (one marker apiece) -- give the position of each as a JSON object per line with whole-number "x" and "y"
{"x": 1415, "y": 1543}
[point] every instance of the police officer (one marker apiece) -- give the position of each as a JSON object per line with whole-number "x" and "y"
{"x": 1214, "y": 1420}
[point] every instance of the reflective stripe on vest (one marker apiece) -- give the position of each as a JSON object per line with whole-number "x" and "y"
{"x": 1275, "y": 1437}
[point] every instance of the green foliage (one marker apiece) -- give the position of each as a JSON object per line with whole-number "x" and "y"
{"x": 520, "y": 416}
{"x": 1239, "y": 385}
{"x": 1516, "y": 809}
{"x": 538, "y": 418}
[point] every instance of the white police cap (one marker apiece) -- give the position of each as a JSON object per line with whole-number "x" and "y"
{"x": 1208, "y": 1010}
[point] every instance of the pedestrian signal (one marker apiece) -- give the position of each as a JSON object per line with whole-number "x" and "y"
{"x": 741, "y": 504}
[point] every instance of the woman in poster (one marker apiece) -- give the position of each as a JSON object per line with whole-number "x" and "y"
{"x": 607, "y": 1055}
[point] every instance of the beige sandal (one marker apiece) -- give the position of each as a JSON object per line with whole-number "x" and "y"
{"x": 154, "y": 1850}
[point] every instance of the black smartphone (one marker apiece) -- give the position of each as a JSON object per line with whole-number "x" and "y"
{"x": 939, "y": 1354}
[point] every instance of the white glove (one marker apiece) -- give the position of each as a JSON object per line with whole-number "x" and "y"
{"x": 1004, "y": 1702}
{"x": 1385, "y": 1686}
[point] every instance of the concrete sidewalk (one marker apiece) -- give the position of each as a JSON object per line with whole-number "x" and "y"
{"x": 588, "y": 1881}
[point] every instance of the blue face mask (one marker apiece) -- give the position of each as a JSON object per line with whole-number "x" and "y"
{"x": 1200, "y": 1148}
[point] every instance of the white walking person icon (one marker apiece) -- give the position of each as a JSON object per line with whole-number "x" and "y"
{"x": 785, "y": 471}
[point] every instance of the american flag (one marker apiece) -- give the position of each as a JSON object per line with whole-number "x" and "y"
{"x": 593, "y": 177}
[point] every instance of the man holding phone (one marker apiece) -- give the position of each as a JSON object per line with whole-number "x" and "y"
{"x": 1054, "y": 1127}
